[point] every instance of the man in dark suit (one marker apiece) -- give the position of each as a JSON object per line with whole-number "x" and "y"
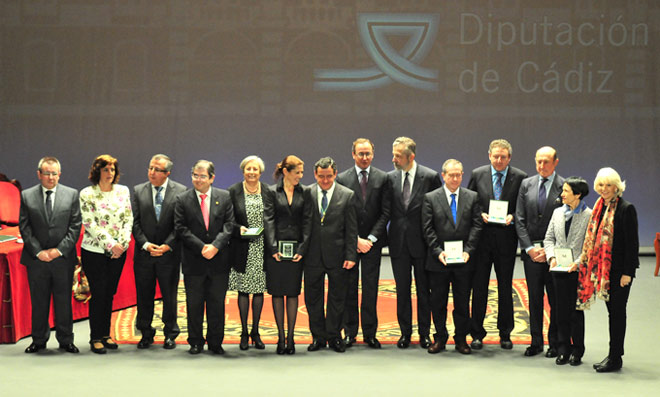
{"x": 409, "y": 182}
{"x": 332, "y": 251}
{"x": 537, "y": 199}
{"x": 451, "y": 214}
{"x": 204, "y": 220}
{"x": 498, "y": 242}
{"x": 370, "y": 187}
{"x": 49, "y": 223}
{"x": 157, "y": 250}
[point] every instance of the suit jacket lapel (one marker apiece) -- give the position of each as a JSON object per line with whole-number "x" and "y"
{"x": 555, "y": 190}
{"x": 461, "y": 207}
{"x": 442, "y": 196}
{"x": 417, "y": 184}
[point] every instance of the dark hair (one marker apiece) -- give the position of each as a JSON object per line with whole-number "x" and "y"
{"x": 99, "y": 163}
{"x": 290, "y": 162}
{"x": 325, "y": 162}
{"x": 207, "y": 165}
{"x": 578, "y": 186}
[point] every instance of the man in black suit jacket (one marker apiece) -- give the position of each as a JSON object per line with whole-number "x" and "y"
{"x": 450, "y": 214}
{"x": 498, "y": 242}
{"x": 332, "y": 251}
{"x": 370, "y": 187}
{"x": 49, "y": 223}
{"x": 157, "y": 250}
{"x": 409, "y": 182}
{"x": 204, "y": 220}
{"x": 537, "y": 199}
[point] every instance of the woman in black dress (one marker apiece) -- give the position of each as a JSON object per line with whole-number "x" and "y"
{"x": 287, "y": 217}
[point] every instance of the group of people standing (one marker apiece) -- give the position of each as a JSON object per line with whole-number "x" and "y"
{"x": 255, "y": 238}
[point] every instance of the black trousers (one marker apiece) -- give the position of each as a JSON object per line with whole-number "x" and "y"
{"x": 570, "y": 321}
{"x": 503, "y": 258}
{"x": 370, "y": 265}
{"x": 103, "y": 274}
{"x": 401, "y": 268}
{"x": 46, "y": 279}
{"x": 539, "y": 280}
{"x": 206, "y": 291}
{"x": 325, "y": 326}
{"x": 616, "y": 309}
{"x": 147, "y": 272}
{"x": 459, "y": 279}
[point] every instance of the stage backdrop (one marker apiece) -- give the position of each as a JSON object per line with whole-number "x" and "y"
{"x": 220, "y": 80}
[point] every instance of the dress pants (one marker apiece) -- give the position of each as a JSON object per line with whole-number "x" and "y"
{"x": 208, "y": 291}
{"x": 370, "y": 265}
{"x": 167, "y": 275}
{"x": 401, "y": 268}
{"x": 103, "y": 274}
{"x": 616, "y": 309}
{"x": 45, "y": 278}
{"x": 459, "y": 278}
{"x": 497, "y": 247}
{"x": 569, "y": 320}
{"x": 325, "y": 327}
{"x": 539, "y": 280}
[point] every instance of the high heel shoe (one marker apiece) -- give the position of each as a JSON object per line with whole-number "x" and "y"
{"x": 280, "y": 347}
{"x": 244, "y": 342}
{"x": 290, "y": 347}
{"x": 97, "y": 347}
{"x": 256, "y": 341}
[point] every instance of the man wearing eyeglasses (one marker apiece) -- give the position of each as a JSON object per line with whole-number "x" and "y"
{"x": 204, "y": 219}
{"x": 49, "y": 222}
{"x": 157, "y": 250}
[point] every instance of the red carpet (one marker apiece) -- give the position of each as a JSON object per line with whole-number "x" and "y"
{"x": 123, "y": 322}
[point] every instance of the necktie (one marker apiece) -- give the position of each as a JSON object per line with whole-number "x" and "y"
{"x": 363, "y": 184}
{"x": 49, "y": 204}
{"x": 453, "y": 206}
{"x": 205, "y": 211}
{"x": 542, "y": 195}
{"x": 159, "y": 201}
{"x": 406, "y": 191}
{"x": 324, "y": 204}
{"x": 498, "y": 186}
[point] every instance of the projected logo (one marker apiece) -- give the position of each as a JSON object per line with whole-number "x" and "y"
{"x": 401, "y": 66}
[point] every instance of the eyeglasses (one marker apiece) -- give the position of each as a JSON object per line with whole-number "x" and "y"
{"x": 202, "y": 177}
{"x": 157, "y": 169}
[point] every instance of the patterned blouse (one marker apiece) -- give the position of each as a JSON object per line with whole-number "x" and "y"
{"x": 107, "y": 218}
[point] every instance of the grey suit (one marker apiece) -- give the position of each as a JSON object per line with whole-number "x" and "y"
{"x": 39, "y": 233}
{"x": 149, "y": 269}
{"x": 333, "y": 240}
{"x": 531, "y": 223}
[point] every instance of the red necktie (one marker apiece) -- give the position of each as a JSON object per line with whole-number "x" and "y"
{"x": 205, "y": 211}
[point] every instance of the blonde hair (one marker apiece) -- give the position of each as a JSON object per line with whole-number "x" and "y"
{"x": 609, "y": 175}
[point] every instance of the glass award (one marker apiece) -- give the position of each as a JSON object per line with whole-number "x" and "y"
{"x": 287, "y": 248}
{"x": 252, "y": 232}
{"x": 454, "y": 252}
{"x": 564, "y": 258}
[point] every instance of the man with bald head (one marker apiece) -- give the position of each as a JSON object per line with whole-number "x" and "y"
{"x": 537, "y": 199}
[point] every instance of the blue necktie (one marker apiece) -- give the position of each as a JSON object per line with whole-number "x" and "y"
{"x": 498, "y": 186}
{"x": 324, "y": 203}
{"x": 453, "y": 206}
{"x": 159, "y": 201}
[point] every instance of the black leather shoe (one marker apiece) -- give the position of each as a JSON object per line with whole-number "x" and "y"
{"x": 552, "y": 352}
{"x": 463, "y": 348}
{"x": 601, "y": 363}
{"x": 69, "y": 348}
{"x": 145, "y": 342}
{"x": 506, "y": 344}
{"x": 256, "y": 341}
{"x": 574, "y": 360}
{"x": 437, "y": 347}
{"x": 243, "y": 345}
{"x": 108, "y": 343}
{"x": 372, "y": 342}
{"x": 349, "y": 340}
{"x": 315, "y": 345}
{"x": 477, "y": 344}
{"x": 533, "y": 350}
{"x": 562, "y": 359}
{"x": 169, "y": 343}
{"x": 33, "y": 348}
{"x": 610, "y": 365}
{"x": 217, "y": 349}
{"x": 97, "y": 347}
{"x": 403, "y": 342}
{"x": 424, "y": 341}
{"x": 195, "y": 349}
{"x": 338, "y": 345}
